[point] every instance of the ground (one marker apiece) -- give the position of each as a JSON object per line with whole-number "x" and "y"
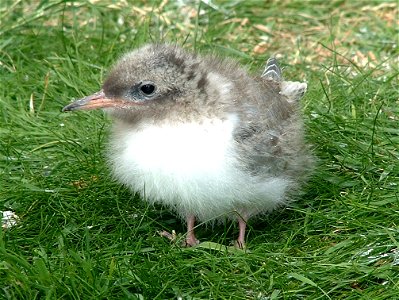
{"x": 80, "y": 235}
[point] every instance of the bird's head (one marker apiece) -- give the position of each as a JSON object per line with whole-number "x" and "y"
{"x": 150, "y": 79}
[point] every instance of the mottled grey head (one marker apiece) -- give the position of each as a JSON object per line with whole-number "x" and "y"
{"x": 160, "y": 80}
{"x": 147, "y": 78}
{"x": 151, "y": 74}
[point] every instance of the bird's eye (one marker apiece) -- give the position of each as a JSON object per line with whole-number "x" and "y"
{"x": 147, "y": 89}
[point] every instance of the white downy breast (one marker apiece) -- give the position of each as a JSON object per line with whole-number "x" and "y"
{"x": 186, "y": 149}
{"x": 191, "y": 167}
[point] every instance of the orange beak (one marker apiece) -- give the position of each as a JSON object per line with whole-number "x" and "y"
{"x": 95, "y": 101}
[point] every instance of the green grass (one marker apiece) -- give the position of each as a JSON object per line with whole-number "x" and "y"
{"x": 82, "y": 236}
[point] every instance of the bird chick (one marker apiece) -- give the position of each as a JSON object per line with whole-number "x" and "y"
{"x": 201, "y": 136}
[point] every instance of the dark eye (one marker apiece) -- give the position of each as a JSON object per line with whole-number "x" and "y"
{"x": 147, "y": 89}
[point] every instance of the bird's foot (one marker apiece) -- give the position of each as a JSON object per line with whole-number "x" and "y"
{"x": 240, "y": 244}
{"x": 242, "y": 224}
{"x": 170, "y": 236}
{"x": 190, "y": 241}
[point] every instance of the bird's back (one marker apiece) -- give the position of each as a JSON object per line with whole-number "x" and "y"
{"x": 269, "y": 131}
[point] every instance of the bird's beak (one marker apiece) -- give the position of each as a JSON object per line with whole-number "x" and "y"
{"x": 97, "y": 100}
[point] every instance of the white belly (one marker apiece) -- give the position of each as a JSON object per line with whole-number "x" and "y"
{"x": 192, "y": 168}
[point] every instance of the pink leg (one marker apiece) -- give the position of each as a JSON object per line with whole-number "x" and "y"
{"x": 242, "y": 224}
{"x": 191, "y": 240}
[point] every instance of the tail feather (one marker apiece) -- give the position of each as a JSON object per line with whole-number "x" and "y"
{"x": 272, "y": 70}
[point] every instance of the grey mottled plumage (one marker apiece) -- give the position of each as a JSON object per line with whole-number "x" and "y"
{"x": 202, "y": 136}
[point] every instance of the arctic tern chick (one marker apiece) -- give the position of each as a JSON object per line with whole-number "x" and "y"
{"x": 201, "y": 136}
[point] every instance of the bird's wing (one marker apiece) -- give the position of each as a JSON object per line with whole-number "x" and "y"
{"x": 266, "y": 134}
{"x": 291, "y": 89}
{"x": 272, "y": 70}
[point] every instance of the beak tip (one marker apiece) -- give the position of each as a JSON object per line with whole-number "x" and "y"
{"x": 90, "y": 102}
{"x": 67, "y": 108}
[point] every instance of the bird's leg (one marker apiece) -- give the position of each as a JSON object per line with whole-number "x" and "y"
{"x": 191, "y": 240}
{"x": 242, "y": 224}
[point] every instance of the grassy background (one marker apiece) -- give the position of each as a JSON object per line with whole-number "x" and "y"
{"x": 82, "y": 236}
